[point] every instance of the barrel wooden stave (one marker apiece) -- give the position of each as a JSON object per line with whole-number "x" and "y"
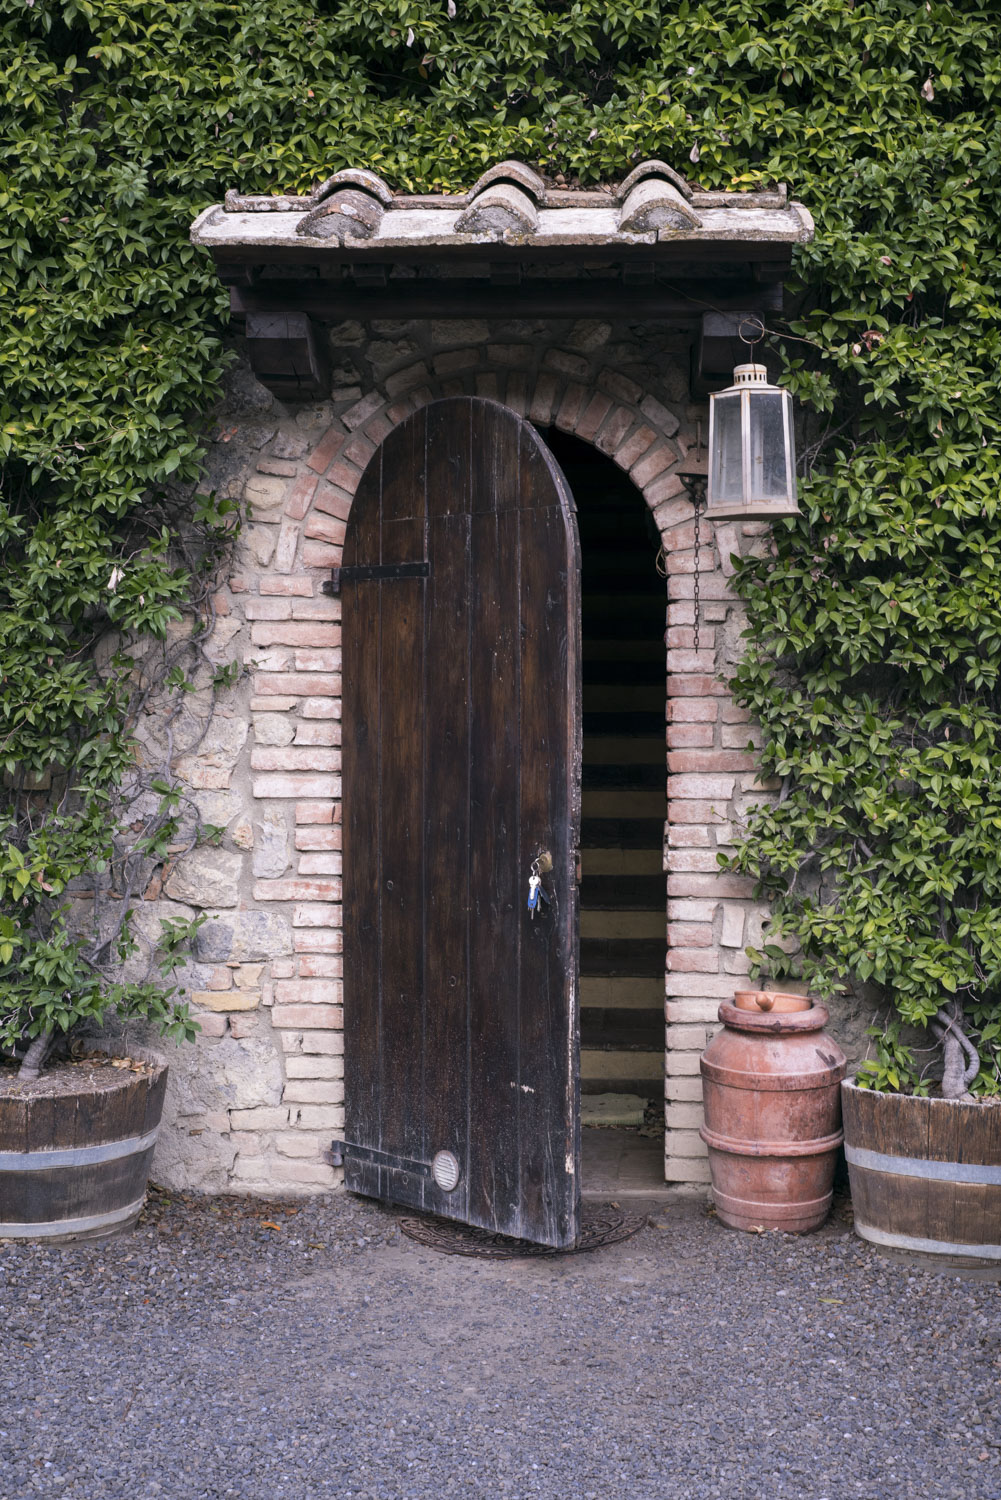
{"x": 922, "y": 1211}
{"x": 49, "y": 1198}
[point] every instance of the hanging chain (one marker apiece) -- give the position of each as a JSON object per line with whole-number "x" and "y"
{"x": 698, "y": 513}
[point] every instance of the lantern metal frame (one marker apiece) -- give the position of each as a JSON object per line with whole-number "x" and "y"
{"x": 748, "y": 381}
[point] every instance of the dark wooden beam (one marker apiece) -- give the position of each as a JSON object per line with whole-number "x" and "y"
{"x": 424, "y": 298}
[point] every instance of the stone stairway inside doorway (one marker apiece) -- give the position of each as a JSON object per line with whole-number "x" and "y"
{"x": 623, "y": 886}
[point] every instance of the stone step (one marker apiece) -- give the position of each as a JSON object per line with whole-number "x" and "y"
{"x": 609, "y": 1029}
{"x": 625, "y": 925}
{"x": 642, "y": 648}
{"x": 612, "y": 1109}
{"x": 621, "y": 862}
{"x": 625, "y": 698}
{"x": 619, "y": 620}
{"x": 633, "y": 721}
{"x": 622, "y": 994}
{"x": 618, "y": 893}
{"x": 624, "y": 1068}
{"x": 623, "y": 833}
{"x": 625, "y": 749}
{"x": 623, "y": 670}
{"x": 624, "y": 802}
{"x": 626, "y": 958}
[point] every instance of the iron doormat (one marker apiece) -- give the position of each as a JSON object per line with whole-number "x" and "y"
{"x": 599, "y": 1227}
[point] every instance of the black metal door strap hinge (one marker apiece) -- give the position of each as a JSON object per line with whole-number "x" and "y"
{"x": 339, "y": 1149}
{"x": 375, "y": 572}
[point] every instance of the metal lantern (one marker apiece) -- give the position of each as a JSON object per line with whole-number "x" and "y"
{"x": 752, "y": 452}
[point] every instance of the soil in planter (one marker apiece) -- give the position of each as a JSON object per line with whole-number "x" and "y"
{"x": 95, "y": 1072}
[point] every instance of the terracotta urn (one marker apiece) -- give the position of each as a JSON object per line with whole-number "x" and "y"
{"x": 771, "y": 1081}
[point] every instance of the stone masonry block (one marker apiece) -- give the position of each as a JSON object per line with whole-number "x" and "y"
{"x": 679, "y": 1169}
{"x": 612, "y": 431}
{"x": 619, "y": 386}
{"x": 688, "y": 1089}
{"x": 692, "y": 710}
{"x": 699, "y": 986}
{"x": 317, "y": 838}
{"x": 320, "y": 708}
{"x": 308, "y": 1017}
{"x": 319, "y": 940}
{"x": 294, "y": 758}
{"x": 732, "y": 935}
{"x": 321, "y": 555}
{"x": 226, "y": 1000}
{"x": 651, "y": 464}
{"x": 659, "y": 416}
{"x": 326, "y": 449}
{"x": 325, "y": 528}
{"x": 691, "y": 911}
{"x": 317, "y": 659}
{"x": 321, "y": 965}
{"x": 680, "y": 1116}
{"x": 314, "y": 812}
{"x": 315, "y": 1043}
{"x": 593, "y": 415}
{"x": 316, "y": 913}
{"x": 700, "y": 786}
{"x": 690, "y": 934}
{"x": 710, "y": 885}
{"x": 318, "y": 732}
{"x": 634, "y": 447}
{"x": 687, "y": 1038}
{"x": 281, "y": 785}
{"x": 299, "y": 890}
{"x": 541, "y": 409}
{"x": 261, "y": 1118}
{"x": 693, "y": 961}
{"x": 319, "y": 1116}
{"x": 320, "y": 864}
{"x": 316, "y": 609}
{"x": 318, "y": 1091}
{"x": 313, "y": 1065}
{"x": 308, "y": 991}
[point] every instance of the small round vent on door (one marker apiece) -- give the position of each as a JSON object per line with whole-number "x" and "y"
{"x": 445, "y": 1171}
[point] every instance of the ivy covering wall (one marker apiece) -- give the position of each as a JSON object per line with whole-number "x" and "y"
{"x": 874, "y": 628}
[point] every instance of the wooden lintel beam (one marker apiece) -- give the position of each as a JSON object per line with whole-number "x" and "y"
{"x": 684, "y": 301}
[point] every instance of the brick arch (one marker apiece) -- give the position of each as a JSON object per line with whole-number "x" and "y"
{"x": 639, "y": 434}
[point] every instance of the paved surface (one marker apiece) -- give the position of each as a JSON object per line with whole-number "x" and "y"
{"x": 208, "y": 1356}
{"x": 623, "y": 1164}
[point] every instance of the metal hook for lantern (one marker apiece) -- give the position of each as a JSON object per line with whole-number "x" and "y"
{"x": 750, "y": 321}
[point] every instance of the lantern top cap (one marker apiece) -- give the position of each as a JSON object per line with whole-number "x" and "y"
{"x": 750, "y": 375}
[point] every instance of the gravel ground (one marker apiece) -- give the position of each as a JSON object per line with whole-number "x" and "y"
{"x": 208, "y": 1356}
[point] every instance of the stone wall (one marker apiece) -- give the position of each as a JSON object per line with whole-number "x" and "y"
{"x": 254, "y": 1104}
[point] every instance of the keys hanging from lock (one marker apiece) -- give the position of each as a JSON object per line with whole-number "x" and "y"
{"x": 536, "y": 888}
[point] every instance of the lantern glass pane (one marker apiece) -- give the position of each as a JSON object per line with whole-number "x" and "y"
{"x": 769, "y": 471}
{"x": 726, "y": 480}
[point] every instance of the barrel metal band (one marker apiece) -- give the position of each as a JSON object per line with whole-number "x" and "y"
{"x": 930, "y": 1247}
{"x": 53, "y": 1227}
{"x": 75, "y": 1156}
{"x": 914, "y": 1166}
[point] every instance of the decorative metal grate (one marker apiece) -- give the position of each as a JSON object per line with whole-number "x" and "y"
{"x": 599, "y": 1226}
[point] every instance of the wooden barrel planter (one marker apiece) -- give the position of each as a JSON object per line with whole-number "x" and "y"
{"x": 926, "y": 1176}
{"x": 773, "y": 1121}
{"x": 76, "y": 1147}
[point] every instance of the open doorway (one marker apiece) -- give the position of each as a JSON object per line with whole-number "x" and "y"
{"x": 623, "y": 886}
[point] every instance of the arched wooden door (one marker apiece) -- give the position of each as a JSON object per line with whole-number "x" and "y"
{"x": 462, "y": 755}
